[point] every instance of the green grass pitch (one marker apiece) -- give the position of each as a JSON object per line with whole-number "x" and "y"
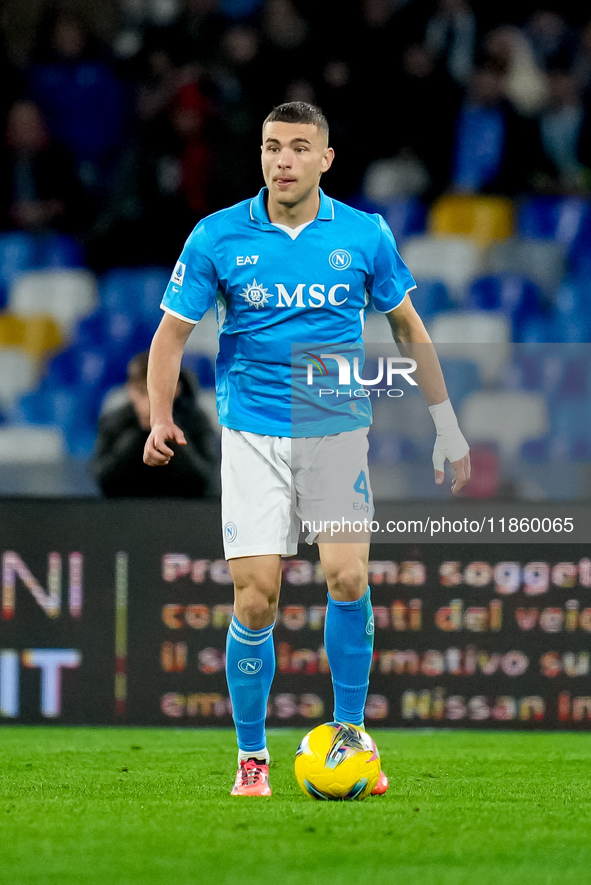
{"x": 131, "y": 806}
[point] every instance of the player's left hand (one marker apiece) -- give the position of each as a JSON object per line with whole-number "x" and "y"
{"x": 450, "y": 445}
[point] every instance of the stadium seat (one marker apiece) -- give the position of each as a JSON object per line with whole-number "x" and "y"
{"x": 431, "y": 297}
{"x": 37, "y": 335}
{"x": 480, "y": 336}
{"x": 484, "y": 219}
{"x": 90, "y": 367}
{"x": 405, "y": 217}
{"x": 204, "y": 337}
{"x": 453, "y": 260}
{"x": 377, "y": 329}
{"x": 59, "y": 250}
{"x": 203, "y": 367}
{"x": 570, "y": 419}
{"x": 17, "y": 374}
{"x": 11, "y": 330}
{"x": 66, "y": 295}
{"x": 461, "y": 378}
{"x": 31, "y": 445}
{"x": 388, "y": 447}
{"x": 18, "y": 255}
{"x": 504, "y": 418}
{"x": 118, "y": 332}
{"x": 561, "y": 219}
{"x": 41, "y": 336}
{"x": 135, "y": 290}
{"x": 542, "y": 261}
{"x": 70, "y": 409}
{"x": 511, "y": 294}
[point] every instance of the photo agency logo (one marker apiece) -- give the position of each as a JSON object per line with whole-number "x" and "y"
{"x": 389, "y": 371}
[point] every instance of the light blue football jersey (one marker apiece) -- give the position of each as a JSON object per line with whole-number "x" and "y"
{"x": 274, "y": 294}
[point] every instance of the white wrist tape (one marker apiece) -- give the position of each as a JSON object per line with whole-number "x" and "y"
{"x": 450, "y": 444}
{"x": 443, "y": 415}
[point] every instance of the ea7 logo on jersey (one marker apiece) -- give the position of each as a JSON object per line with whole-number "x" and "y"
{"x": 246, "y": 259}
{"x": 178, "y": 274}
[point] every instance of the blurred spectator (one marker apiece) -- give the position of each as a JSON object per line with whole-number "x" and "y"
{"x": 117, "y": 463}
{"x": 451, "y": 37}
{"x": 509, "y": 52}
{"x": 551, "y": 38}
{"x": 139, "y": 17}
{"x": 582, "y": 59}
{"x": 244, "y": 102}
{"x": 562, "y": 124}
{"x": 38, "y": 188}
{"x": 431, "y": 99}
{"x": 196, "y": 32}
{"x": 81, "y": 97}
{"x": 286, "y": 46}
{"x": 496, "y": 150}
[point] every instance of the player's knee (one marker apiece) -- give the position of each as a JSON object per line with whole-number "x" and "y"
{"x": 256, "y": 607}
{"x": 346, "y": 583}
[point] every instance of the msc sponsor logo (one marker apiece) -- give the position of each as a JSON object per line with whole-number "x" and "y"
{"x": 340, "y": 259}
{"x": 250, "y": 666}
{"x": 255, "y": 295}
{"x": 315, "y": 295}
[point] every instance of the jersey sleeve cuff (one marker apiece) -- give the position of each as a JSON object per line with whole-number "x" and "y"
{"x": 388, "y": 309}
{"x": 179, "y": 316}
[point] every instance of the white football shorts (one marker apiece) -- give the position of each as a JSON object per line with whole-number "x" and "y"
{"x": 273, "y": 487}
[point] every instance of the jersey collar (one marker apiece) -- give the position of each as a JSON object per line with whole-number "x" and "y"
{"x": 258, "y": 208}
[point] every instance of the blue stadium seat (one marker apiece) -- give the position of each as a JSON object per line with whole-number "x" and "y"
{"x": 431, "y": 297}
{"x": 461, "y": 378}
{"x": 516, "y": 296}
{"x": 67, "y": 408}
{"x": 570, "y": 420}
{"x": 405, "y": 217}
{"x": 558, "y": 373}
{"x": 18, "y": 254}
{"x": 203, "y": 366}
{"x": 90, "y": 368}
{"x": 119, "y": 333}
{"x": 554, "y": 218}
{"x": 134, "y": 290}
{"x": 59, "y": 250}
{"x": 388, "y": 447}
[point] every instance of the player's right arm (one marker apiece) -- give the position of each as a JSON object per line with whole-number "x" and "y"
{"x": 164, "y": 366}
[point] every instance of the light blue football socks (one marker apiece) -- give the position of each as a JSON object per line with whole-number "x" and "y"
{"x": 348, "y": 637}
{"x": 250, "y": 667}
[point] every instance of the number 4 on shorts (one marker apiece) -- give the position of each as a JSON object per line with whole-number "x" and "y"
{"x": 361, "y": 486}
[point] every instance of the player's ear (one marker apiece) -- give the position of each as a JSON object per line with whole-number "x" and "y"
{"x": 327, "y": 159}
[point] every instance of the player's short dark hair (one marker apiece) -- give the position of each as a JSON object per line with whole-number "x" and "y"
{"x": 298, "y": 112}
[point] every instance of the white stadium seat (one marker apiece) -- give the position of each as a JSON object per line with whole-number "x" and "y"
{"x": 66, "y": 295}
{"x": 453, "y": 260}
{"x": 204, "y": 337}
{"x": 480, "y": 335}
{"x": 31, "y": 445}
{"x": 18, "y": 374}
{"x": 507, "y": 418}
